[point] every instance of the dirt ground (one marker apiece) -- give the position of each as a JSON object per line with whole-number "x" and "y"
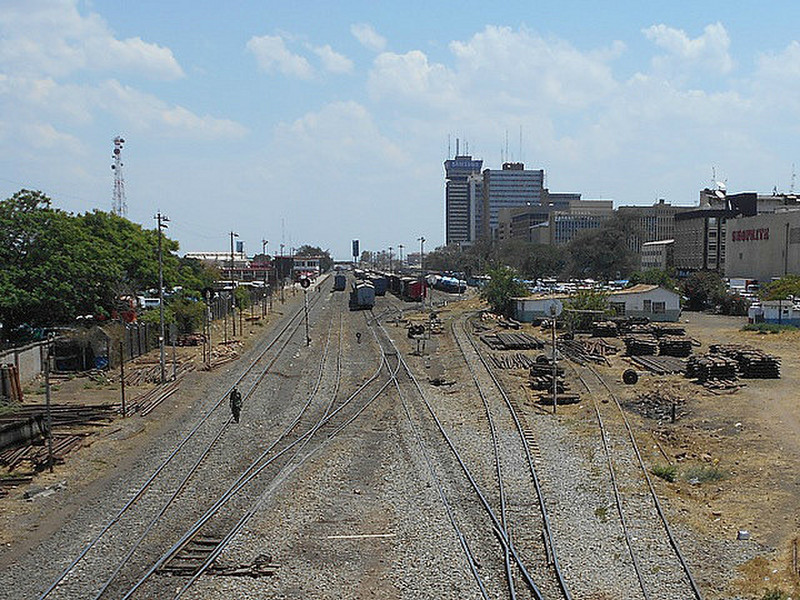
{"x": 749, "y": 442}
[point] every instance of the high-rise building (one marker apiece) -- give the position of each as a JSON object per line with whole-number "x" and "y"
{"x": 656, "y": 222}
{"x": 458, "y": 212}
{"x": 510, "y": 187}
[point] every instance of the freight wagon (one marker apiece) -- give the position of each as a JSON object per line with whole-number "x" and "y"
{"x": 362, "y": 296}
{"x": 339, "y": 283}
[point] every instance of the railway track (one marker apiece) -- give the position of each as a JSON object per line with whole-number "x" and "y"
{"x": 154, "y": 496}
{"x": 660, "y": 568}
{"x": 494, "y": 537}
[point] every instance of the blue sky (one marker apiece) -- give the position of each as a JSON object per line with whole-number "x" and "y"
{"x": 320, "y": 122}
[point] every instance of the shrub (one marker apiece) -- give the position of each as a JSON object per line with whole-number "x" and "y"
{"x": 704, "y": 474}
{"x": 775, "y": 594}
{"x": 768, "y": 327}
{"x": 665, "y": 472}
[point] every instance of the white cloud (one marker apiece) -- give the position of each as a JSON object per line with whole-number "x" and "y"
{"x": 411, "y": 78}
{"x": 272, "y": 54}
{"x": 708, "y": 51}
{"x": 53, "y": 38}
{"x": 368, "y": 37}
{"x": 333, "y": 61}
{"x": 782, "y": 68}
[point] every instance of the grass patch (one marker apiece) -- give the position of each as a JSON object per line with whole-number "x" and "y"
{"x": 601, "y": 512}
{"x": 768, "y": 327}
{"x": 665, "y": 472}
{"x": 704, "y": 474}
{"x": 775, "y": 594}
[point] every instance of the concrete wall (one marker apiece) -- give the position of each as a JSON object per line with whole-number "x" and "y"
{"x": 764, "y": 246}
{"x": 28, "y": 359}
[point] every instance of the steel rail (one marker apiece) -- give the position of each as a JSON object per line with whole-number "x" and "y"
{"x": 534, "y": 475}
{"x": 498, "y": 466}
{"x": 615, "y": 487}
{"x": 440, "y": 489}
{"x": 256, "y": 506}
{"x": 212, "y": 406}
{"x": 501, "y": 532}
{"x": 197, "y": 464}
{"x": 253, "y": 471}
{"x": 673, "y": 542}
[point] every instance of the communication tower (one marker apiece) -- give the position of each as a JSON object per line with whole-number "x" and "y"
{"x": 119, "y": 205}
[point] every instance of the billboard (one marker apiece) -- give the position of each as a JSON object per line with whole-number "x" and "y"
{"x": 356, "y": 252}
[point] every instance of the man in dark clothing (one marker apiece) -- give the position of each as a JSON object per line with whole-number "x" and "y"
{"x": 236, "y": 404}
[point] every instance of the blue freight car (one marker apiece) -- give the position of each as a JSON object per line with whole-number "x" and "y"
{"x": 362, "y": 297}
{"x": 339, "y": 283}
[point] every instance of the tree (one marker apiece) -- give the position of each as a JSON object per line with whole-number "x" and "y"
{"x": 544, "y": 260}
{"x": 584, "y": 307}
{"x": 703, "y": 290}
{"x": 501, "y": 289}
{"x": 325, "y": 263}
{"x": 781, "y": 289}
{"x": 603, "y": 253}
{"x": 664, "y": 278}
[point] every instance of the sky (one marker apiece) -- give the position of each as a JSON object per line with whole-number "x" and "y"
{"x": 317, "y": 123}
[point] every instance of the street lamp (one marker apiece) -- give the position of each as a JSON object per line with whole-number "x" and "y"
{"x": 390, "y": 258}
{"x": 162, "y": 224}
{"x": 400, "y": 247}
{"x": 264, "y": 258}
{"x": 421, "y": 241}
{"x": 233, "y": 286}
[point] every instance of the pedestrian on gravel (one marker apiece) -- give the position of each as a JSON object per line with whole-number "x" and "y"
{"x": 236, "y": 404}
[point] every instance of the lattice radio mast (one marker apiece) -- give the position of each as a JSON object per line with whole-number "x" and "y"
{"x": 119, "y": 205}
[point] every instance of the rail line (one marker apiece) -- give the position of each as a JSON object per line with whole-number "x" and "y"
{"x": 252, "y": 377}
{"x": 526, "y": 440}
{"x": 325, "y": 428}
{"x": 496, "y": 525}
{"x": 648, "y": 588}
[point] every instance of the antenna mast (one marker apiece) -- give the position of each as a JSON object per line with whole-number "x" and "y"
{"x": 119, "y": 205}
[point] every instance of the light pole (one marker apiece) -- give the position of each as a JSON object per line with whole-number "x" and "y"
{"x": 390, "y": 259}
{"x": 264, "y": 254}
{"x": 400, "y": 248}
{"x": 421, "y": 241}
{"x": 281, "y": 275}
{"x": 162, "y": 224}
{"x": 233, "y": 287}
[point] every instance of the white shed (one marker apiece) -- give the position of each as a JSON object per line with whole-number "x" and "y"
{"x": 651, "y": 301}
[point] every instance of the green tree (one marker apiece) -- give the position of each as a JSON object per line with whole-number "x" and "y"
{"x": 544, "y": 260}
{"x": 501, "y": 289}
{"x": 662, "y": 277}
{"x": 703, "y": 290}
{"x": 782, "y": 288}
{"x": 584, "y": 307}
{"x": 325, "y": 263}
{"x": 603, "y": 253}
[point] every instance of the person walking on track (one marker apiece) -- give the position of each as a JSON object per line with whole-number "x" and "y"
{"x": 236, "y": 404}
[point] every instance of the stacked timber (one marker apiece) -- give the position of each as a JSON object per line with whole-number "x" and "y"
{"x": 605, "y": 329}
{"x": 641, "y": 345}
{"x": 512, "y": 341}
{"x": 675, "y": 345}
{"x": 583, "y": 351}
{"x": 665, "y": 329}
{"x": 705, "y": 367}
{"x": 512, "y": 361}
{"x": 753, "y": 363}
{"x": 660, "y": 365}
{"x": 541, "y": 378}
{"x": 632, "y": 324}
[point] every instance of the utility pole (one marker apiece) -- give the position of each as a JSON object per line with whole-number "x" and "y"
{"x": 400, "y": 248}
{"x": 264, "y": 296}
{"x": 422, "y": 255}
{"x": 281, "y": 275}
{"x": 233, "y": 287}
{"x": 48, "y": 412}
{"x": 122, "y": 376}
{"x": 390, "y": 259}
{"x": 162, "y": 221}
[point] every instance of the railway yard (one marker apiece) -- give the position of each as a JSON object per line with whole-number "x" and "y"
{"x": 371, "y": 463}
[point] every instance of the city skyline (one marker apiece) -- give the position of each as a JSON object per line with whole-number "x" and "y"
{"x": 296, "y": 124}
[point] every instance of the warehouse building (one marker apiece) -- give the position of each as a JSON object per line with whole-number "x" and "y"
{"x": 765, "y": 246}
{"x": 651, "y": 301}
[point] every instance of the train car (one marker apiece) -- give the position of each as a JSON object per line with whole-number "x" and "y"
{"x": 395, "y": 285}
{"x": 362, "y": 296}
{"x": 339, "y": 282}
{"x": 380, "y": 283}
{"x": 451, "y": 285}
{"x": 413, "y": 289}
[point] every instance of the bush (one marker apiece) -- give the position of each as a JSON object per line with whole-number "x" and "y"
{"x": 775, "y": 594}
{"x": 704, "y": 474}
{"x": 665, "y": 472}
{"x": 768, "y": 327}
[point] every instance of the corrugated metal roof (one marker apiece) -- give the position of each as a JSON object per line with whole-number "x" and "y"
{"x": 639, "y": 288}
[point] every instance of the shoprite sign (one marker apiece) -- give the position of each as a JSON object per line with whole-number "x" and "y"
{"x": 747, "y": 235}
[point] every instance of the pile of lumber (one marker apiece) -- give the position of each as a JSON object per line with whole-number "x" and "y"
{"x": 146, "y": 370}
{"x": 10, "y": 386}
{"x": 512, "y": 341}
{"x": 190, "y": 339}
{"x": 223, "y": 354}
{"x": 541, "y": 378}
{"x": 675, "y": 345}
{"x": 664, "y": 329}
{"x": 752, "y": 363}
{"x": 658, "y": 404}
{"x": 605, "y": 329}
{"x": 632, "y": 325}
{"x": 583, "y": 351}
{"x": 66, "y": 415}
{"x": 512, "y": 361}
{"x": 660, "y": 365}
{"x": 639, "y": 345}
{"x": 705, "y": 367}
